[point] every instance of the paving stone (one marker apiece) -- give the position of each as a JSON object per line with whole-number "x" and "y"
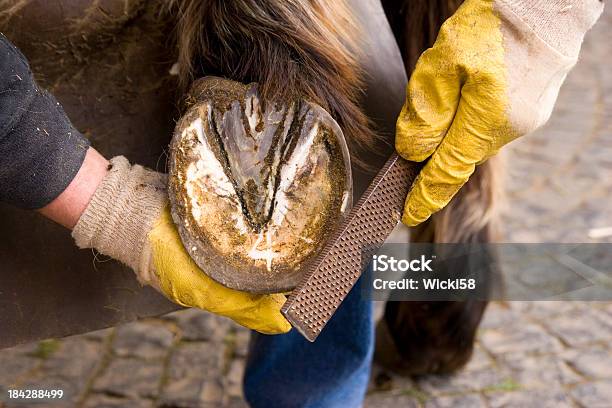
{"x": 462, "y": 401}
{"x": 465, "y": 382}
{"x": 480, "y": 360}
{"x": 130, "y": 378}
{"x": 555, "y": 398}
{"x": 71, "y": 391}
{"x": 182, "y": 393}
{"x": 198, "y": 325}
{"x": 191, "y": 369}
{"x": 105, "y": 401}
{"x": 68, "y": 367}
{"x": 498, "y": 315}
{"x": 241, "y": 346}
{"x": 539, "y": 371}
{"x": 544, "y": 310}
{"x": 593, "y": 362}
{"x": 203, "y": 360}
{"x": 519, "y": 337}
{"x": 233, "y": 378}
{"x": 580, "y": 328}
{"x": 75, "y": 359}
{"x": 38, "y": 404}
{"x": 601, "y": 316}
{"x": 13, "y": 367}
{"x": 524, "y": 236}
{"x": 27, "y": 348}
{"x": 236, "y": 403}
{"x": 193, "y": 393}
{"x": 212, "y": 392}
{"x": 593, "y": 395}
{"x": 380, "y": 400}
{"x": 143, "y": 340}
{"x": 608, "y": 309}
{"x": 522, "y": 307}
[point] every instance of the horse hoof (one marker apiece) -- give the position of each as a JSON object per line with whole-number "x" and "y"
{"x": 419, "y": 338}
{"x": 256, "y": 186}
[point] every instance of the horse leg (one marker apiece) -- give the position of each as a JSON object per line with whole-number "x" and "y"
{"x": 423, "y": 337}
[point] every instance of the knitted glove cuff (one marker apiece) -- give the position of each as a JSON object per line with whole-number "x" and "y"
{"x": 562, "y": 24}
{"x": 122, "y": 213}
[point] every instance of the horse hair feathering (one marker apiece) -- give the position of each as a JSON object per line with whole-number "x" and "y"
{"x": 292, "y": 48}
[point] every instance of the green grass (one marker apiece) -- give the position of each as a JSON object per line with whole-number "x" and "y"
{"x": 419, "y": 395}
{"x": 507, "y": 385}
{"x": 46, "y": 348}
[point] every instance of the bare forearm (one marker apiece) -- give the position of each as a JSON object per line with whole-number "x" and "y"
{"x": 70, "y": 204}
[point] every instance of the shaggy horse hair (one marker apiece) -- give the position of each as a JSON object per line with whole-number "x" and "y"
{"x": 311, "y": 47}
{"x": 308, "y": 46}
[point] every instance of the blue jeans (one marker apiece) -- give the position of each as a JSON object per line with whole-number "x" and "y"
{"x": 288, "y": 371}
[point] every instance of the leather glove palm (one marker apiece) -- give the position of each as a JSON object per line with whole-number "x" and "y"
{"x": 128, "y": 219}
{"x": 493, "y": 75}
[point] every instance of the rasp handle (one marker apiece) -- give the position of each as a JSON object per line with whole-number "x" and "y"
{"x": 334, "y": 271}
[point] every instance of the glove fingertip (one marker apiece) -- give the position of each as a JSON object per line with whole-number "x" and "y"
{"x": 416, "y": 142}
{"x": 279, "y": 326}
{"x": 284, "y": 326}
{"x": 410, "y": 218}
{"x": 275, "y": 322}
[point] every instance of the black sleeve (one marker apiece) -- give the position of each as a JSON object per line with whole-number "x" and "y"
{"x": 40, "y": 150}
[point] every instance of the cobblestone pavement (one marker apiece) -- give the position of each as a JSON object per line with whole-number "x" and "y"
{"x": 544, "y": 354}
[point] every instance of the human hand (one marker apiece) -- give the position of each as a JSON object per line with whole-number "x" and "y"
{"x": 493, "y": 75}
{"x": 128, "y": 219}
{"x": 180, "y": 279}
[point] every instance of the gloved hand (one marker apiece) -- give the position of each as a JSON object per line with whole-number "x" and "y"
{"x": 493, "y": 75}
{"x": 128, "y": 219}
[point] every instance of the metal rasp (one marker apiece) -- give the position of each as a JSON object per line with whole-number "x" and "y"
{"x": 334, "y": 271}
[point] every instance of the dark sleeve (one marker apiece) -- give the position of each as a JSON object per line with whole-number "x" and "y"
{"x": 40, "y": 150}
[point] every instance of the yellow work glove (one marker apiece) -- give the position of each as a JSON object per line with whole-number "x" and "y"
{"x": 493, "y": 75}
{"x": 128, "y": 219}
